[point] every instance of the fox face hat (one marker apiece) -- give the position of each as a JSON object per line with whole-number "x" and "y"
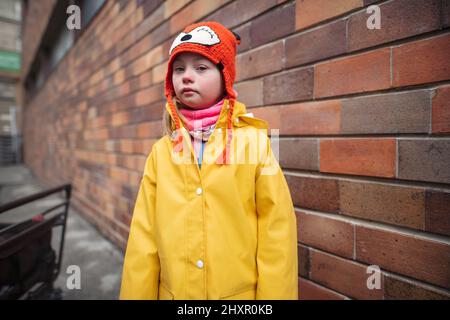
{"x": 218, "y": 44}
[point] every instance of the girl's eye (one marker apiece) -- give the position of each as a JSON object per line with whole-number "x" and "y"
{"x": 179, "y": 69}
{"x": 202, "y": 68}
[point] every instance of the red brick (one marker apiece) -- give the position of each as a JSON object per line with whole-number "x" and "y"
{"x": 424, "y": 160}
{"x": 437, "y": 214}
{"x": 147, "y": 61}
{"x": 361, "y": 73}
{"x": 119, "y": 119}
{"x": 250, "y": 92}
{"x": 404, "y": 112}
{"x": 320, "y": 43}
{"x": 119, "y": 76}
{"x": 260, "y": 61}
{"x": 417, "y": 257}
{"x": 311, "y": 118}
{"x": 370, "y": 157}
{"x": 149, "y": 95}
{"x": 399, "y": 205}
{"x": 303, "y": 261}
{"x": 445, "y": 13}
{"x": 145, "y": 80}
{"x": 396, "y": 288}
{"x": 314, "y": 193}
{"x": 126, "y": 146}
{"x": 441, "y": 111}
{"x": 134, "y": 178}
{"x": 158, "y": 73}
{"x": 399, "y": 19}
{"x": 124, "y": 88}
{"x": 247, "y": 9}
{"x": 308, "y": 290}
{"x": 325, "y": 233}
{"x": 151, "y": 21}
{"x": 143, "y": 130}
{"x": 270, "y": 114}
{"x": 262, "y": 28}
{"x": 150, "y": 6}
{"x": 345, "y": 276}
{"x": 310, "y": 12}
{"x": 156, "y": 129}
{"x": 293, "y": 85}
{"x": 290, "y": 149}
{"x": 421, "y": 61}
{"x": 193, "y": 12}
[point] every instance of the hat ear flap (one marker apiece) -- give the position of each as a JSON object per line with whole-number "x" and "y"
{"x": 238, "y": 37}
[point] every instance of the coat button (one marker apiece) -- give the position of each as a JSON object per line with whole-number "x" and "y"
{"x": 199, "y": 191}
{"x": 236, "y": 120}
{"x": 219, "y": 130}
{"x": 200, "y": 264}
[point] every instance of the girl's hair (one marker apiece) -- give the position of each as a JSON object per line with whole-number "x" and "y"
{"x": 168, "y": 123}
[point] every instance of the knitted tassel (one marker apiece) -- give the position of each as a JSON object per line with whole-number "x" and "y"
{"x": 177, "y": 143}
{"x": 224, "y": 158}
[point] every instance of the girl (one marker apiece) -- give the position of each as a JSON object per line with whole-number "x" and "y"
{"x": 213, "y": 218}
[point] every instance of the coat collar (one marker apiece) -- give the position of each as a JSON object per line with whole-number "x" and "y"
{"x": 238, "y": 110}
{"x": 239, "y": 113}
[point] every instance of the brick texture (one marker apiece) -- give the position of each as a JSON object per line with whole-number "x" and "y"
{"x": 311, "y": 118}
{"x": 326, "y": 234}
{"x": 437, "y": 214}
{"x": 441, "y": 111}
{"x": 260, "y": 61}
{"x": 399, "y": 19}
{"x": 406, "y": 112}
{"x": 290, "y": 149}
{"x": 310, "y": 46}
{"x": 289, "y": 86}
{"x": 342, "y": 275}
{"x": 415, "y": 257}
{"x": 308, "y": 290}
{"x": 360, "y": 73}
{"x": 425, "y": 160}
{"x": 397, "y": 205}
{"x": 371, "y": 157}
{"x": 421, "y": 61}
{"x": 314, "y": 193}
{"x": 310, "y": 12}
{"x": 402, "y": 289}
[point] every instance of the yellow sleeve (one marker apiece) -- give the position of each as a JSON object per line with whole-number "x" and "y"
{"x": 140, "y": 276}
{"x": 277, "y": 233}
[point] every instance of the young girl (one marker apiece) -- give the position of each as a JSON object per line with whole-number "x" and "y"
{"x": 213, "y": 218}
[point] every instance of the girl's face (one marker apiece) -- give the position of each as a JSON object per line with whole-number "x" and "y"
{"x": 203, "y": 78}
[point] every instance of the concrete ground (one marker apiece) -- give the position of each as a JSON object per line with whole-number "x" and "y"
{"x": 86, "y": 252}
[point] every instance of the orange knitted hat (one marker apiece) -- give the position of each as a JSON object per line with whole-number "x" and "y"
{"x": 218, "y": 44}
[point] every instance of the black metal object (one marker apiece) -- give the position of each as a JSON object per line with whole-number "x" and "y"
{"x": 28, "y": 264}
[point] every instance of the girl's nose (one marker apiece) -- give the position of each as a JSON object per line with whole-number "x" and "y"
{"x": 187, "y": 75}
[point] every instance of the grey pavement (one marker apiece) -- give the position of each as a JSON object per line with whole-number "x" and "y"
{"x": 98, "y": 261}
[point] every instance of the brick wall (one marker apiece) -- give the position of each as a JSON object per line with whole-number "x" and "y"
{"x": 364, "y": 118}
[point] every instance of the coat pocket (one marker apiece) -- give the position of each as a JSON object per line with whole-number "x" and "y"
{"x": 248, "y": 293}
{"x": 164, "y": 293}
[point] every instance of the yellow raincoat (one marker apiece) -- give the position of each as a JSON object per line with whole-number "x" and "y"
{"x": 219, "y": 232}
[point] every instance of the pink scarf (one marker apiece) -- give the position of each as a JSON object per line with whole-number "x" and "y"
{"x": 200, "y": 123}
